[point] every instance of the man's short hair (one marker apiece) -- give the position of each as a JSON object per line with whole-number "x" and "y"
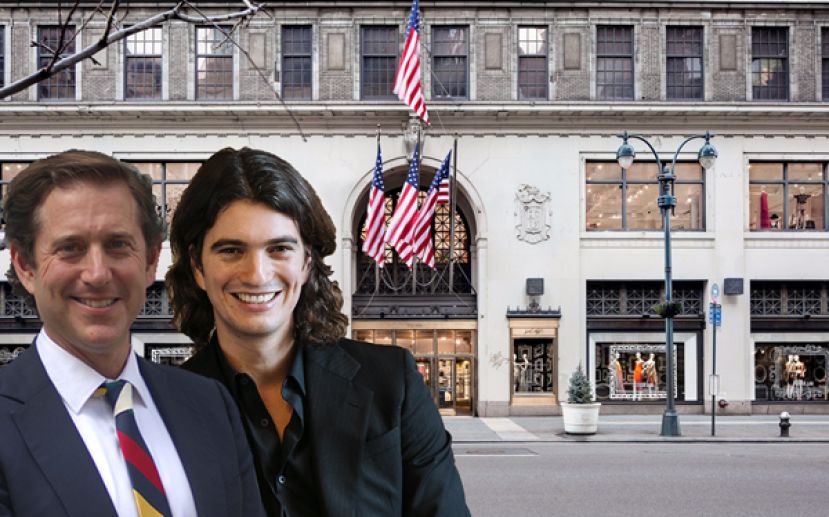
{"x": 260, "y": 177}
{"x": 29, "y": 189}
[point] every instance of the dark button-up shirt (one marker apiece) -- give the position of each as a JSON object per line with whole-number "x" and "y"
{"x": 284, "y": 470}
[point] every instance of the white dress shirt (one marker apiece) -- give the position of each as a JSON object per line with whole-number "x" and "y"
{"x": 76, "y": 383}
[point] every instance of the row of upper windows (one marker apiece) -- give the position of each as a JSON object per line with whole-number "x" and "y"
{"x": 449, "y": 63}
{"x": 783, "y": 196}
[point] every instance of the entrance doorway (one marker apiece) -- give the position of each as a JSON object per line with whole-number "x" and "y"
{"x": 450, "y": 381}
{"x": 444, "y": 358}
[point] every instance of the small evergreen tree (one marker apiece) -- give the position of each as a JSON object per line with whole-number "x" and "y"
{"x": 580, "y": 391}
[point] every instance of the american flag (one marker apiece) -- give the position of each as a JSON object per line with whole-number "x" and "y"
{"x": 423, "y": 224}
{"x": 443, "y": 190}
{"x": 400, "y": 232}
{"x": 373, "y": 244}
{"x": 407, "y": 79}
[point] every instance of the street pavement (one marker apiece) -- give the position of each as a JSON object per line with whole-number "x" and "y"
{"x": 639, "y": 428}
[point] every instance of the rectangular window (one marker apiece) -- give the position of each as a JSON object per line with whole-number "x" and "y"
{"x": 791, "y": 372}
{"x": 214, "y": 64}
{"x": 532, "y": 63}
{"x": 450, "y": 73}
{"x": 296, "y": 62}
{"x": 824, "y": 47}
{"x": 169, "y": 181}
{"x": 532, "y": 368}
{"x": 614, "y": 62}
{"x": 619, "y": 199}
{"x": 787, "y": 196}
{"x": 56, "y": 40}
{"x": 684, "y": 75}
{"x": 379, "y": 46}
{"x": 142, "y": 65}
{"x": 770, "y": 63}
{"x": 637, "y": 372}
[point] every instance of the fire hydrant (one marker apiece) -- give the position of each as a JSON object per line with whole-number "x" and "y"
{"x": 784, "y": 424}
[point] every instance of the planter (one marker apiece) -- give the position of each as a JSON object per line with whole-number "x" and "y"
{"x": 580, "y": 418}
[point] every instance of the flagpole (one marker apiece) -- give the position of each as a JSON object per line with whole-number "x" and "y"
{"x": 453, "y": 189}
{"x": 377, "y": 264}
{"x": 414, "y": 255}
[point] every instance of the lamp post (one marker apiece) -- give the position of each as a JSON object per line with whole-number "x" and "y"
{"x": 666, "y": 202}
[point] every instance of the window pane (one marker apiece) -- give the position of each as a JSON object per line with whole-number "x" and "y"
{"x": 765, "y": 171}
{"x": 62, "y": 84}
{"x": 404, "y": 339}
{"x": 449, "y": 41}
{"x": 642, "y": 210}
{"x": 643, "y": 171}
{"x": 364, "y": 335}
{"x": 463, "y": 341}
{"x": 382, "y": 337}
{"x": 603, "y": 171}
{"x": 532, "y": 41}
{"x": 181, "y": 171}
{"x": 805, "y": 171}
{"x": 604, "y": 207}
{"x": 446, "y": 342}
{"x": 296, "y": 62}
{"x": 214, "y": 64}
{"x": 379, "y": 62}
{"x": 765, "y": 207}
{"x": 689, "y": 208}
{"x": 532, "y": 78}
{"x": 424, "y": 343}
{"x": 805, "y": 206}
{"x": 154, "y": 170}
{"x": 449, "y": 55}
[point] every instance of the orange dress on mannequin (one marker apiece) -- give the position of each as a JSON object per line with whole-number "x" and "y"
{"x": 637, "y": 372}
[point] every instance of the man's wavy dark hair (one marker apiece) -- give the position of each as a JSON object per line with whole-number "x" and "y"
{"x": 258, "y": 176}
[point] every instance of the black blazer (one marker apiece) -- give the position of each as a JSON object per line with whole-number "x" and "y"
{"x": 46, "y": 470}
{"x": 378, "y": 443}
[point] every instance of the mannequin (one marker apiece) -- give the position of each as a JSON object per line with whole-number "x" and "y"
{"x": 650, "y": 374}
{"x": 638, "y": 365}
{"x": 520, "y": 372}
{"x": 799, "y": 376}
{"x": 789, "y": 376}
{"x": 526, "y": 371}
{"x": 618, "y": 374}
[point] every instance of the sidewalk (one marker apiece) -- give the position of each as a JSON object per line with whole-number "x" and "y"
{"x": 639, "y": 428}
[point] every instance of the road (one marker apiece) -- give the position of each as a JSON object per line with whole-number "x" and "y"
{"x": 644, "y": 479}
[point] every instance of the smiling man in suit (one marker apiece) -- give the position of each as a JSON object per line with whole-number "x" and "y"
{"x": 88, "y": 428}
{"x": 337, "y": 427}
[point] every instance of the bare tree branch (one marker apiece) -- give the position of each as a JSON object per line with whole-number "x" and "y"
{"x": 58, "y": 63}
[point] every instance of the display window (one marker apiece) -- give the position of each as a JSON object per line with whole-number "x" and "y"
{"x": 790, "y": 372}
{"x": 532, "y": 366}
{"x": 637, "y": 372}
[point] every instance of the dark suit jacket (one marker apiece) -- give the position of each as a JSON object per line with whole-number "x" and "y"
{"x": 378, "y": 443}
{"x": 46, "y": 470}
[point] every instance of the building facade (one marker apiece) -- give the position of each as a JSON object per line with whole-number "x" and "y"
{"x": 553, "y": 255}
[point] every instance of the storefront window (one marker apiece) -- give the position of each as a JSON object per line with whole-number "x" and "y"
{"x": 790, "y": 372}
{"x": 636, "y": 372}
{"x": 786, "y": 196}
{"x": 532, "y": 366}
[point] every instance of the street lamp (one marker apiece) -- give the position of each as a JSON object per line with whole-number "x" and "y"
{"x": 667, "y": 201}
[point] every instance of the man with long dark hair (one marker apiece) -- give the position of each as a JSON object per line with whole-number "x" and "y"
{"x": 336, "y": 427}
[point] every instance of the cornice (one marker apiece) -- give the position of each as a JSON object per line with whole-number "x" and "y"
{"x": 468, "y": 118}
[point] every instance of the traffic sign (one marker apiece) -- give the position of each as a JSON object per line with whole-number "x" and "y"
{"x": 715, "y": 293}
{"x": 715, "y": 314}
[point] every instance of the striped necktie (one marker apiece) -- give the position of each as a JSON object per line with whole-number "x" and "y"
{"x": 149, "y": 494}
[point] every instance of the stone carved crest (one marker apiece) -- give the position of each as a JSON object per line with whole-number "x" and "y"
{"x": 532, "y": 214}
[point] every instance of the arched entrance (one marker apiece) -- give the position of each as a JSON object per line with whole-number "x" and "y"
{"x": 430, "y": 311}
